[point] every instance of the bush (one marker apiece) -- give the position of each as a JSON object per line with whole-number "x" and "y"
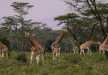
{"x": 21, "y": 58}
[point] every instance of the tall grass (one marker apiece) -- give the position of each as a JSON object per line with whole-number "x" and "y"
{"x": 68, "y": 64}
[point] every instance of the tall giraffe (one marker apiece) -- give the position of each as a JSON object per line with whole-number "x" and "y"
{"x": 37, "y": 49}
{"x": 86, "y": 46}
{"x": 55, "y": 46}
{"x": 104, "y": 46}
{"x": 3, "y": 50}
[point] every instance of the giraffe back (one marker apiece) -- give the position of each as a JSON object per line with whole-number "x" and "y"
{"x": 86, "y": 44}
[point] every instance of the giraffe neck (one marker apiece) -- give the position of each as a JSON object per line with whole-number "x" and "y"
{"x": 35, "y": 42}
{"x": 106, "y": 40}
{"x": 58, "y": 39}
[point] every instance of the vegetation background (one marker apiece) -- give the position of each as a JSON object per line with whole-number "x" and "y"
{"x": 89, "y": 23}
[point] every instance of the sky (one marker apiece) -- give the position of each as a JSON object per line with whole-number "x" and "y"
{"x": 43, "y": 10}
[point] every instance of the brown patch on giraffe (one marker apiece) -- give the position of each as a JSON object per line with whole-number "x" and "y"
{"x": 3, "y": 50}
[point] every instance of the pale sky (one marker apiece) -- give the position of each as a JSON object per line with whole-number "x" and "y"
{"x": 43, "y": 10}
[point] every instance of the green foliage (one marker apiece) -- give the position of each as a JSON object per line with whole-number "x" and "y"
{"x": 20, "y": 7}
{"x": 68, "y": 64}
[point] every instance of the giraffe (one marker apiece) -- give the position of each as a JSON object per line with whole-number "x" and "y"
{"x": 104, "y": 45}
{"x": 3, "y": 50}
{"x": 86, "y": 46}
{"x": 55, "y": 46}
{"x": 37, "y": 49}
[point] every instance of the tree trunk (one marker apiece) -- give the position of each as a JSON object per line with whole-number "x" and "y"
{"x": 75, "y": 38}
{"x": 91, "y": 32}
{"x": 93, "y": 7}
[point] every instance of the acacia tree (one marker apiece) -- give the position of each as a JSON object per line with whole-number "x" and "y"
{"x": 67, "y": 19}
{"x": 91, "y": 8}
{"x": 21, "y": 9}
{"x": 77, "y": 26}
{"x": 17, "y": 24}
{"x": 87, "y": 16}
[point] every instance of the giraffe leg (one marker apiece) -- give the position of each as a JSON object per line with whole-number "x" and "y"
{"x": 56, "y": 55}
{"x": 89, "y": 51}
{"x": 103, "y": 51}
{"x": 100, "y": 50}
{"x": 82, "y": 52}
{"x": 57, "y": 52}
{"x": 38, "y": 59}
{"x": 31, "y": 57}
{"x": 2, "y": 54}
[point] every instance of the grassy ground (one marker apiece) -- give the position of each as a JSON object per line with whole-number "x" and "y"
{"x": 68, "y": 64}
